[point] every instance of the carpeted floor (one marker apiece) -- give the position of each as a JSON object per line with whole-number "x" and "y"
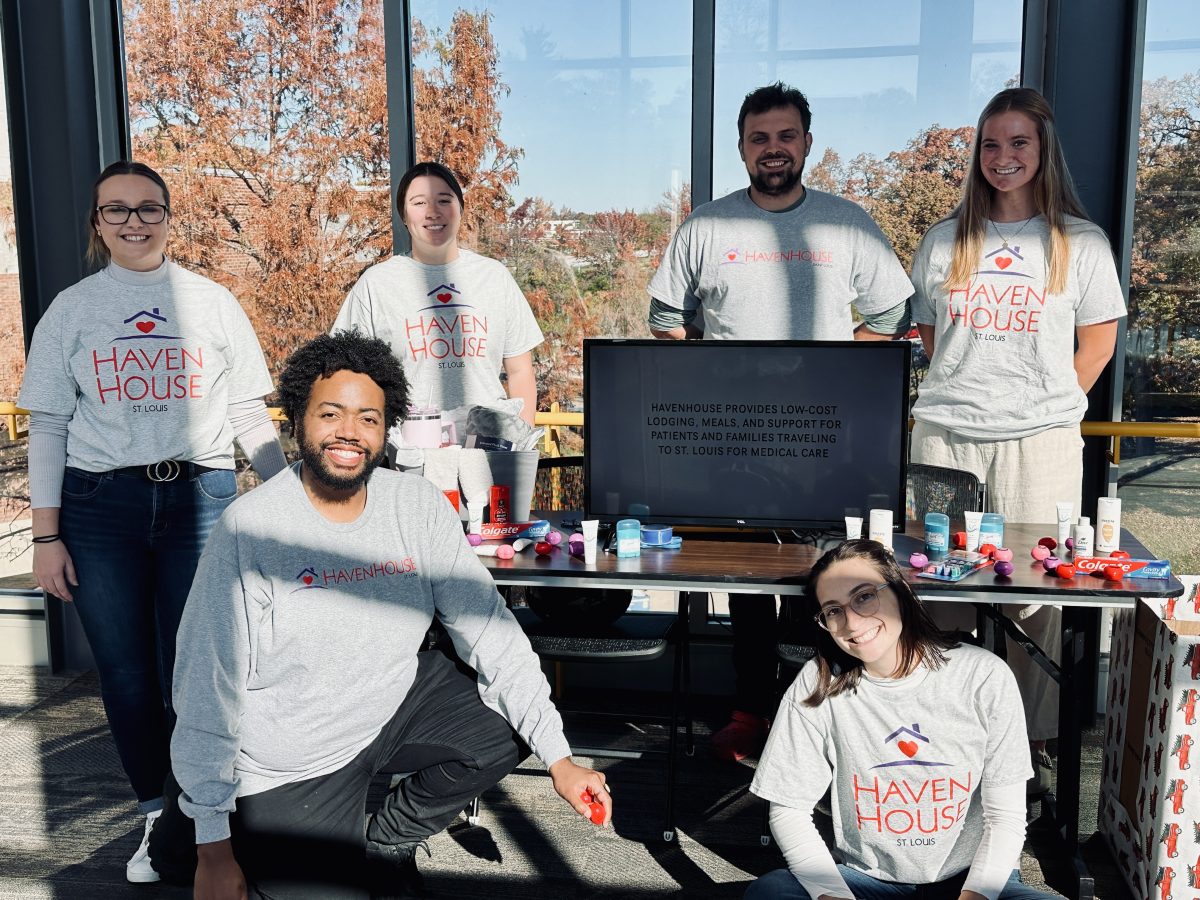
{"x": 68, "y": 823}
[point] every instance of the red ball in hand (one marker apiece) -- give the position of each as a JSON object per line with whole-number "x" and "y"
{"x": 595, "y": 807}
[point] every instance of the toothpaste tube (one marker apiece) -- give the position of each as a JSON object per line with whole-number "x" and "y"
{"x": 1131, "y": 568}
{"x": 491, "y": 531}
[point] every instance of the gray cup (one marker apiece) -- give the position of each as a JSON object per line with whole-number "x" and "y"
{"x": 517, "y": 469}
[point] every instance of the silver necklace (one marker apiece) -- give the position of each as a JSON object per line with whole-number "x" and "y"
{"x": 1003, "y": 239}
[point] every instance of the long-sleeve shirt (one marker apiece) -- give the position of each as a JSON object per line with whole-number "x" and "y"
{"x": 906, "y": 758}
{"x": 299, "y": 639}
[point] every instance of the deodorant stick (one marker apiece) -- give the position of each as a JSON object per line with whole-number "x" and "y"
{"x": 880, "y": 528}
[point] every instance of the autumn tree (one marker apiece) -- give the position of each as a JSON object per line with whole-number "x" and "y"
{"x": 456, "y": 113}
{"x": 908, "y": 191}
{"x": 1164, "y": 308}
{"x": 267, "y": 118}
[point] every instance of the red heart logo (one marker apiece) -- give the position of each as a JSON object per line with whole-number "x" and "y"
{"x": 1004, "y": 261}
{"x": 908, "y": 748}
{"x": 445, "y": 298}
{"x": 308, "y": 579}
{"x": 145, "y": 327}
{"x": 732, "y": 257}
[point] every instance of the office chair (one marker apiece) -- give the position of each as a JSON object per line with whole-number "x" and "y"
{"x": 942, "y": 489}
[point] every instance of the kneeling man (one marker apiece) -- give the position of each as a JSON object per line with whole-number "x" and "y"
{"x": 300, "y": 673}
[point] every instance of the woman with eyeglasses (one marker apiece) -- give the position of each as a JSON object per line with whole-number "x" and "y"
{"x": 138, "y": 380}
{"x": 920, "y": 741}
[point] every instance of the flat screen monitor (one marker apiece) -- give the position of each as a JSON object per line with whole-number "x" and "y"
{"x": 752, "y": 434}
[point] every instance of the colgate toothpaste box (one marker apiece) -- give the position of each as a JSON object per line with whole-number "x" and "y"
{"x": 1149, "y": 810}
{"x": 1133, "y": 568}
{"x": 491, "y": 531}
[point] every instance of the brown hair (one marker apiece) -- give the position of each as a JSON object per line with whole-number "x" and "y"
{"x": 921, "y": 641}
{"x": 1053, "y": 191}
{"x": 97, "y": 250}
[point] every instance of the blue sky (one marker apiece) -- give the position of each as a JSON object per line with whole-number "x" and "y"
{"x": 601, "y": 89}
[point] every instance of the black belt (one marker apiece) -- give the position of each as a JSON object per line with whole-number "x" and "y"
{"x": 166, "y": 470}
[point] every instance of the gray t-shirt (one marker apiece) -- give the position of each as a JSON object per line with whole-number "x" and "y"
{"x": 299, "y": 639}
{"x": 451, "y": 326}
{"x": 760, "y": 275}
{"x": 145, "y": 364}
{"x": 1002, "y": 366}
{"x": 906, "y": 758}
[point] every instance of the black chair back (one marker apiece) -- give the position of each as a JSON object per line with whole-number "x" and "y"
{"x": 945, "y": 490}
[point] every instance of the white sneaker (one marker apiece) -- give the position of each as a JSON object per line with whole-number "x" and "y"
{"x": 138, "y": 869}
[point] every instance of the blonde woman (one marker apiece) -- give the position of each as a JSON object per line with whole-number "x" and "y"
{"x": 1017, "y": 303}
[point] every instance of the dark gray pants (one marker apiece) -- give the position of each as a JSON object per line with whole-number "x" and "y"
{"x": 306, "y": 840}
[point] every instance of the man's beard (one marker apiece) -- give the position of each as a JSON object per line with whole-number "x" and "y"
{"x": 314, "y": 461}
{"x": 776, "y": 184}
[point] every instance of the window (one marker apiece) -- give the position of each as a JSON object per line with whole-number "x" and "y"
{"x": 1159, "y": 482}
{"x": 269, "y": 123}
{"x": 577, "y": 170}
{"x": 895, "y": 90}
{"x": 12, "y": 338}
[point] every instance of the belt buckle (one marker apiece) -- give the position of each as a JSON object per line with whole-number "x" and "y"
{"x": 163, "y": 470}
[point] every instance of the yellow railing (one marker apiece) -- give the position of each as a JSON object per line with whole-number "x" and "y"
{"x": 9, "y": 412}
{"x": 555, "y": 418}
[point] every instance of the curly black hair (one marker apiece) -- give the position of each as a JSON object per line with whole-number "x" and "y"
{"x": 330, "y": 353}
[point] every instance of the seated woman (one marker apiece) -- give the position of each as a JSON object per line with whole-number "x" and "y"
{"x": 923, "y": 741}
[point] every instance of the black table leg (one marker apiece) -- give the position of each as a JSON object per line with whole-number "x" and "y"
{"x": 1076, "y": 700}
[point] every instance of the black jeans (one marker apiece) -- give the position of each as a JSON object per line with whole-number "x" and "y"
{"x": 306, "y": 839}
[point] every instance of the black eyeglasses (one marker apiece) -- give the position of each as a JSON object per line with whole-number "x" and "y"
{"x": 116, "y": 214}
{"x": 833, "y": 617}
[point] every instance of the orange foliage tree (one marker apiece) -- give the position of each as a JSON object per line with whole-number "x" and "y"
{"x": 269, "y": 120}
{"x": 456, "y": 113}
{"x": 909, "y": 190}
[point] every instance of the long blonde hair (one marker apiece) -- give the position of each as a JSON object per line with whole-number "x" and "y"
{"x": 1053, "y": 192}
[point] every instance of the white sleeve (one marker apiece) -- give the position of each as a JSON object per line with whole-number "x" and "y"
{"x": 805, "y": 852}
{"x": 999, "y": 850}
{"x": 257, "y": 436}
{"x": 211, "y": 665}
{"x": 47, "y": 458}
{"x": 355, "y": 312}
{"x": 924, "y": 303}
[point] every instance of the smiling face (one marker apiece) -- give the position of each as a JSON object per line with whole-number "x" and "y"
{"x": 432, "y": 215}
{"x": 341, "y": 438}
{"x": 134, "y": 244}
{"x": 873, "y": 638}
{"x": 773, "y": 146}
{"x": 1010, "y": 152}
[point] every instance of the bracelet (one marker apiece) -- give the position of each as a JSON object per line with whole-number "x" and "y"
{"x": 46, "y": 539}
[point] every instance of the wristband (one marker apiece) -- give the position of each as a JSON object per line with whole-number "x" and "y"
{"x": 46, "y": 539}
